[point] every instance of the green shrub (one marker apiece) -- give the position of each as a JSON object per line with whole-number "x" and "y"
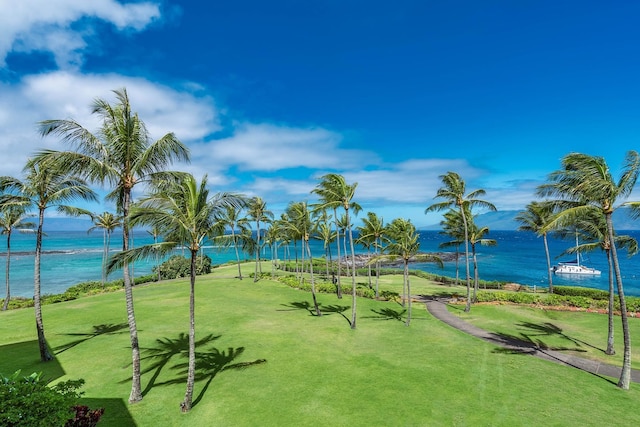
{"x": 30, "y": 402}
{"x": 178, "y": 266}
{"x": 581, "y": 292}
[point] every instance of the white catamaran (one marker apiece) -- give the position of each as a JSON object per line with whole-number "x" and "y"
{"x": 574, "y": 267}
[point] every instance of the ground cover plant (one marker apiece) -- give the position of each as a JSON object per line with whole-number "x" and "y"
{"x": 265, "y": 359}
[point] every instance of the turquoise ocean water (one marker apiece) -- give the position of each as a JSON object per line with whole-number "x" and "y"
{"x": 71, "y": 257}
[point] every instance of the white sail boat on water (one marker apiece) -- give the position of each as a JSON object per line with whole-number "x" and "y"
{"x": 574, "y": 267}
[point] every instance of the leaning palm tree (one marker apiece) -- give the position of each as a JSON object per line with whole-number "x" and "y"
{"x": 534, "y": 219}
{"x": 45, "y": 186}
{"x": 585, "y": 182}
{"x": 371, "y": 232}
{"x": 404, "y": 243}
{"x": 123, "y": 155}
{"x": 108, "y": 222}
{"x": 187, "y": 215}
{"x": 12, "y": 217}
{"x": 453, "y": 193}
{"x": 258, "y": 212}
{"x": 334, "y": 192}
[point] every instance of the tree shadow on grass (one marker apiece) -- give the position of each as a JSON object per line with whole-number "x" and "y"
{"x": 388, "y": 314}
{"x": 339, "y": 309}
{"x": 329, "y": 309}
{"x": 208, "y": 363}
{"x": 104, "y": 329}
{"x": 301, "y": 305}
{"x": 549, "y": 329}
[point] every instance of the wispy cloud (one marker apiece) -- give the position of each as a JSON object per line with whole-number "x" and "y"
{"x": 46, "y": 25}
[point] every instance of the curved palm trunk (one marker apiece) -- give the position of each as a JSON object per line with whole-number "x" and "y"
{"x": 457, "y": 265}
{"x": 475, "y": 273}
{"x": 407, "y": 285}
{"x": 6, "y": 274}
{"x": 625, "y": 375}
{"x": 45, "y": 356}
{"x": 185, "y": 406}
{"x": 610, "y": 347}
{"x": 353, "y": 275}
{"x": 466, "y": 258}
{"x": 136, "y": 389}
{"x": 339, "y": 288}
{"x": 377, "y": 268}
{"x": 104, "y": 256}
{"x": 549, "y": 272}
{"x": 313, "y": 284}
{"x": 255, "y": 274}
{"x": 235, "y": 246}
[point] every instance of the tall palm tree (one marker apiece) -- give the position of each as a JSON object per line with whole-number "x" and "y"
{"x": 404, "y": 243}
{"x": 232, "y": 218}
{"x": 334, "y": 192}
{"x": 45, "y": 186}
{"x": 12, "y": 217}
{"x": 108, "y": 222}
{"x": 534, "y": 219}
{"x": 585, "y": 182}
{"x": 453, "y": 193}
{"x": 452, "y": 226}
{"x": 187, "y": 215}
{"x": 371, "y": 232}
{"x": 301, "y": 226}
{"x": 326, "y": 235}
{"x": 476, "y": 237}
{"x": 257, "y": 211}
{"x": 121, "y": 154}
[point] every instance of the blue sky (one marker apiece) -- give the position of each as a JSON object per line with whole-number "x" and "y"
{"x": 269, "y": 96}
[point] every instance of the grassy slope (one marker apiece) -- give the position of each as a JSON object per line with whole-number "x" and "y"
{"x": 317, "y": 372}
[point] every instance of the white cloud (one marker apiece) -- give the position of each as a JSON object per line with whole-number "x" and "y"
{"x": 64, "y": 95}
{"x": 45, "y": 25}
{"x": 268, "y": 147}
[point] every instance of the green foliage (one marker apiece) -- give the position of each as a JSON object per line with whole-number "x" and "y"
{"x": 579, "y": 291}
{"x": 29, "y": 401}
{"x": 178, "y": 266}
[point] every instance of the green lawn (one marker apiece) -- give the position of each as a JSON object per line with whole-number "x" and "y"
{"x": 265, "y": 360}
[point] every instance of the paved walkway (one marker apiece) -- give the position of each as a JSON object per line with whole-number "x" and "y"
{"x": 438, "y": 309}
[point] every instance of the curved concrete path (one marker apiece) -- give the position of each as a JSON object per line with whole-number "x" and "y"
{"x": 438, "y": 309}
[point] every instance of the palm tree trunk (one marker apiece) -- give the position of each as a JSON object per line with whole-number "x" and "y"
{"x": 466, "y": 258}
{"x": 335, "y": 216}
{"x": 625, "y": 374}
{"x": 6, "y": 274}
{"x": 549, "y": 272}
{"x": 610, "y": 347}
{"x": 45, "y": 356}
{"x": 475, "y": 274}
{"x": 353, "y": 275}
{"x": 313, "y": 285}
{"x": 255, "y": 273}
{"x": 185, "y": 406}
{"x": 235, "y": 246}
{"x": 136, "y": 389}
{"x": 104, "y": 256}
{"x": 408, "y": 286}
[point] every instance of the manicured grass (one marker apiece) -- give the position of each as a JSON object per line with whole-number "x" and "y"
{"x": 578, "y": 333}
{"x": 266, "y": 360}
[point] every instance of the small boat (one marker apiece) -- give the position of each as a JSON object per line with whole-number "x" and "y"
{"x": 574, "y": 267}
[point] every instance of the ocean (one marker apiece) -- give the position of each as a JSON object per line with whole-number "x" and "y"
{"x": 71, "y": 257}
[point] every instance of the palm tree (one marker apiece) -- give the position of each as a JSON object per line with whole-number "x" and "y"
{"x": 404, "y": 243}
{"x": 302, "y": 228}
{"x": 335, "y": 192}
{"x": 371, "y": 232}
{"x": 258, "y": 212}
{"x": 12, "y": 217}
{"x": 234, "y": 220}
{"x": 452, "y": 226}
{"x": 326, "y": 235}
{"x": 585, "y": 182}
{"x": 186, "y": 214}
{"x": 108, "y": 222}
{"x": 476, "y": 237}
{"x": 534, "y": 219}
{"x": 156, "y": 233}
{"x": 45, "y": 186}
{"x": 453, "y": 191}
{"x": 123, "y": 155}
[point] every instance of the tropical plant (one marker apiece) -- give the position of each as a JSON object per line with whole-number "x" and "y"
{"x": 334, "y": 192}
{"x": 121, "y": 154}
{"x": 404, "y": 243}
{"x": 257, "y": 211}
{"x": 452, "y": 226}
{"x": 370, "y": 233}
{"x": 184, "y": 212}
{"x": 476, "y": 237}
{"x": 232, "y": 218}
{"x": 585, "y": 182}
{"x": 534, "y": 219}
{"x": 108, "y": 222}
{"x": 45, "y": 186}
{"x": 453, "y": 193}
{"x": 12, "y": 217}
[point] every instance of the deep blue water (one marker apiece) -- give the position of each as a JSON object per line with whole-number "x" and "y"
{"x": 72, "y": 257}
